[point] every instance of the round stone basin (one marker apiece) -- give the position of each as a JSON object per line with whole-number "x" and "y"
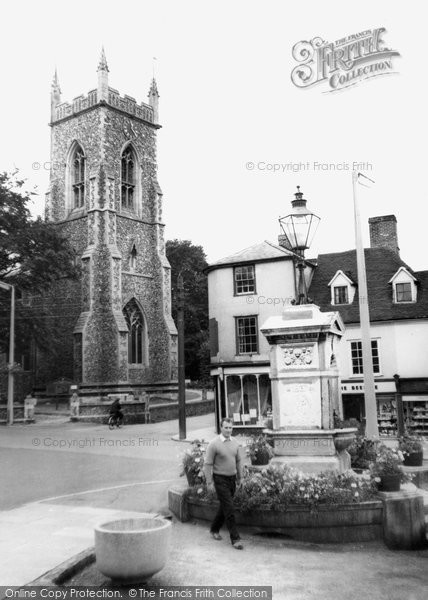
{"x": 132, "y": 550}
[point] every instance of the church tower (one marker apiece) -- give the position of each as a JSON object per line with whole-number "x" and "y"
{"x": 116, "y": 330}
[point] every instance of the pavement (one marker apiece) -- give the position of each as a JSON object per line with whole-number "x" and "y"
{"x": 39, "y": 536}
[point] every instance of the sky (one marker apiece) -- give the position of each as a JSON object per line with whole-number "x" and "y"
{"x": 226, "y": 100}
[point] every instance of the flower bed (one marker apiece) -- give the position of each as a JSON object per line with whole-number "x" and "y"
{"x": 277, "y": 487}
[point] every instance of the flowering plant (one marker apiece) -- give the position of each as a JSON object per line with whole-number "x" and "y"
{"x": 278, "y": 486}
{"x": 410, "y": 443}
{"x": 258, "y": 445}
{"x": 193, "y": 462}
{"x": 388, "y": 461}
{"x": 362, "y": 451}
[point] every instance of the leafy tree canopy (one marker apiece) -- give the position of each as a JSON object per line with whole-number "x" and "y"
{"x": 33, "y": 255}
{"x": 190, "y": 260}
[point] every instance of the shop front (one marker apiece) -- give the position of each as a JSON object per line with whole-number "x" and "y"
{"x": 243, "y": 395}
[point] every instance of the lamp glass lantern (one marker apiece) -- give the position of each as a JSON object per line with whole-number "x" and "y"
{"x": 300, "y": 227}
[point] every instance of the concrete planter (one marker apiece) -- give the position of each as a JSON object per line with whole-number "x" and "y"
{"x": 326, "y": 524}
{"x": 132, "y": 550}
{"x": 397, "y": 517}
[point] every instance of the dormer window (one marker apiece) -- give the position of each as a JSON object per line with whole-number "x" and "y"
{"x": 341, "y": 294}
{"x": 403, "y": 292}
{"x": 342, "y": 289}
{"x": 403, "y": 287}
{"x": 245, "y": 280}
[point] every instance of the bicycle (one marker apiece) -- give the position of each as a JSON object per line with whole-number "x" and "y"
{"x": 115, "y": 421}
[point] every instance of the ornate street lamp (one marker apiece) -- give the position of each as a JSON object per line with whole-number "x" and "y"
{"x": 300, "y": 227}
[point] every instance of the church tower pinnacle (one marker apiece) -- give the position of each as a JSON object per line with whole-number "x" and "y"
{"x": 103, "y": 71}
{"x": 154, "y": 100}
{"x": 55, "y": 94}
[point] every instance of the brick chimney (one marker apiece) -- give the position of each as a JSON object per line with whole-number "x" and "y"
{"x": 383, "y": 233}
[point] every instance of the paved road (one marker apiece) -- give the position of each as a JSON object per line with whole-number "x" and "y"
{"x": 57, "y": 459}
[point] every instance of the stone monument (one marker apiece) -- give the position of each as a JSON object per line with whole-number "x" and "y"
{"x": 305, "y": 389}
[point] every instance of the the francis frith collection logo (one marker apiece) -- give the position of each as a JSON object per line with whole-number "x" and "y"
{"x": 342, "y": 63}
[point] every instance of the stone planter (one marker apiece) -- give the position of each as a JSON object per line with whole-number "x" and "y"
{"x": 398, "y": 518}
{"x": 132, "y": 550}
{"x": 414, "y": 459}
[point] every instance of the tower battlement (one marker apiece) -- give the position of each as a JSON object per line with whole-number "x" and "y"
{"x": 125, "y": 104}
{"x": 104, "y": 95}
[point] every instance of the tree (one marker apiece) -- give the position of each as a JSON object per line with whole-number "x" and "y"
{"x": 33, "y": 255}
{"x": 191, "y": 261}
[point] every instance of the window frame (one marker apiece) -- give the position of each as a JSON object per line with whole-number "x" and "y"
{"x": 410, "y": 292}
{"x": 336, "y": 298}
{"x": 137, "y": 336}
{"x": 236, "y": 282}
{"x": 78, "y": 184}
{"x": 375, "y": 347}
{"x": 128, "y": 184}
{"x": 239, "y": 337}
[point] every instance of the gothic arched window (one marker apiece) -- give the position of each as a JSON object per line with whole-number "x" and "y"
{"x": 133, "y": 259}
{"x": 78, "y": 177}
{"x": 137, "y": 334}
{"x": 128, "y": 178}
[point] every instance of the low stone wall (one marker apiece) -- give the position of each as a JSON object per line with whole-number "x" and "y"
{"x": 99, "y": 412}
{"x": 395, "y": 517}
{"x": 169, "y": 411}
{"x": 18, "y": 414}
{"x": 135, "y": 412}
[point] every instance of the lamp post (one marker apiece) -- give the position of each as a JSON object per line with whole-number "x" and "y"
{"x": 8, "y": 286}
{"x": 300, "y": 227}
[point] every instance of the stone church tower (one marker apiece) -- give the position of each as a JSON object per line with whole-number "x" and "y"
{"x": 115, "y": 329}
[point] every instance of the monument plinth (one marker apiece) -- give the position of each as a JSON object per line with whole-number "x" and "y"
{"x": 305, "y": 389}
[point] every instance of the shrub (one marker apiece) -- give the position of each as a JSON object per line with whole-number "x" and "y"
{"x": 258, "y": 444}
{"x": 363, "y": 452}
{"x": 388, "y": 461}
{"x": 410, "y": 443}
{"x": 193, "y": 462}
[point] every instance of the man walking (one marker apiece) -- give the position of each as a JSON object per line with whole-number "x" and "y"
{"x": 222, "y": 468}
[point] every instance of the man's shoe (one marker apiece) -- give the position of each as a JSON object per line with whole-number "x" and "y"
{"x": 238, "y": 545}
{"x": 215, "y": 535}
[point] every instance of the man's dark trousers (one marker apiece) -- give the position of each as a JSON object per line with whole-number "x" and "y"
{"x": 225, "y": 487}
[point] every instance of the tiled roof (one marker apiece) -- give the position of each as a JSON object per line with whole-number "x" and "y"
{"x": 263, "y": 251}
{"x": 381, "y": 265}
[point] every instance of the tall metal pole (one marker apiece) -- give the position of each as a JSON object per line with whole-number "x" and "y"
{"x": 372, "y": 430}
{"x": 181, "y": 363}
{"x": 10, "y": 375}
